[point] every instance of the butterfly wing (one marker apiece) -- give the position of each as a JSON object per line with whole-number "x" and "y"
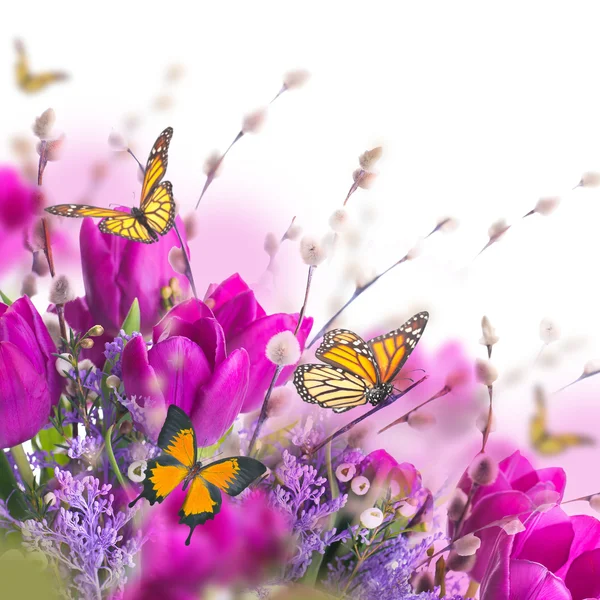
{"x": 156, "y": 165}
{"x": 83, "y": 210}
{"x": 29, "y": 82}
{"x": 233, "y": 475}
{"x": 202, "y": 502}
{"x": 178, "y": 443}
{"x": 331, "y": 387}
{"x": 344, "y": 349}
{"x": 126, "y": 226}
{"x": 392, "y": 350}
{"x": 159, "y": 208}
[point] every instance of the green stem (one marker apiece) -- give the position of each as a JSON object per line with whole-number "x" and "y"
{"x": 8, "y": 489}
{"x": 113, "y": 460}
{"x": 23, "y": 465}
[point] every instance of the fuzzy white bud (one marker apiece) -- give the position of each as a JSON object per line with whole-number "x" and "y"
{"x": 590, "y": 179}
{"x": 364, "y": 179}
{"x": 42, "y": 126}
{"x": 271, "y": 244}
{"x": 360, "y": 485}
{"x": 312, "y": 251}
{"x": 61, "y": 291}
{"x": 415, "y": 251}
{"x": 591, "y": 367}
{"x": 53, "y": 148}
{"x": 295, "y": 79}
{"x": 595, "y": 502}
{"x": 345, "y": 472}
{"x": 546, "y": 206}
{"x": 294, "y": 231}
{"x": 498, "y": 229}
{"x": 29, "y": 285}
{"x": 137, "y": 471}
{"x": 456, "y": 562}
{"x": 177, "y": 260}
{"x": 283, "y": 349}
{"x": 371, "y": 518}
{"x": 513, "y": 527}
{"x": 485, "y": 371}
{"x": 369, "y": 158}
{"x": 40, "y": 264}
{"x": 64, "y": 364}
{"x": 339, "y": 220}
{"x": 113, "y": 382}
{"x": 457, "y": 504}
{"x": 213, "y": 165}
{"x": 421, "y": 420}
{"x": 447, "y": 224}
{"x": 253, "y": 122}
{"x": 467, "y": 545}
{"x": 117, "y": 142}
{"x": 549, "y": 331}
{"x": 489, "y": 337}
{"x": 423, "y": 582}
{"x": 190, "y": 224}
{"x": 483, "y": 469}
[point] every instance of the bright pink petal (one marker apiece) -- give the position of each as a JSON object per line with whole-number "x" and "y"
{"x": 139, "y": 377}
{"x": 586, "y": 532}
{"x": 495, "y": 584}
{"x": 238, "y": 313}
{"x": 189, "y": 311}
{"x": 583, "y": 577}
{"x": 532, "y": 581}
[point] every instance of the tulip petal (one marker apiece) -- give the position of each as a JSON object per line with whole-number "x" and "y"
{"x": 586, "y": 536}
{"x": 15, "y": 329}
{"x": 238, "y": 313}
{"x": 228, "y": 289}
{"x": 139, "y": 378}
{"x": 583, "y": 578}
{"x": 219, "y": 402}
{"x": 25, "y": 400}
{"x": 495, "y": 584}
{"x": 532, "y": 581}
{"x": 181, "y": 369}
{"x": 254, "y": 339}
{"x": 189, "y": 311}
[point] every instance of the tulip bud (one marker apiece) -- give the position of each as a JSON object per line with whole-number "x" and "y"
{"x": 271, "y": 244}
{"x": 87, "y": 343}
{"x": 61, "y": 291}
{"x": 483, "y": 470}
{"x": 360, "y": 485}
{"x": 371, "y": 518}
{"x": 312, "y": 251}
{"x": 295, "y": 79}
{"x": 42, "y": 127}
{"x": 463, "y": 564}
{"x": 485, "y": 371}
{"x": 254, "y": 121}
{"x": 457, "y": 504}
{"x": 549, "y": 331}
{"x": 345, "y": 472}
{"x": 423, "y": 582}
{"x": 126, "y": 428}
{"x": 113, "y": 382}
{"x": 283, "y": 349}
{"x": 339, "y": 220}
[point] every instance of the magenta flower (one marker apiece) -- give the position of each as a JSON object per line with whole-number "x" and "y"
{"x": 187, "y": 366}
{"x": 518, "y": 489}
{"x": 246, "y": 325}
{"x": 115, "y": 272}
{"x": 29, "y": 382}
{"x": 236, "y": 548}
{"x": 19, "y": 204}
{"x": 385, "y": 472}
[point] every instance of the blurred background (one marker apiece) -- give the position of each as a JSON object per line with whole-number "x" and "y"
{"x": 480, "y": 109}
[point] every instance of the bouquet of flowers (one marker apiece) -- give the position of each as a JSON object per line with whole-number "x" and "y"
{"x": 161, "y": 441}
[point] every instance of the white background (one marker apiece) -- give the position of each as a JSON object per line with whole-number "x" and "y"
{"x": 481, "y": 109}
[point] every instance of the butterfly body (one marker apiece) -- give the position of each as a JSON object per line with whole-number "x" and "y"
{"x": 178, "y": 465}
{"x": 156, "y": 214}
{"x": 357, "y": 372}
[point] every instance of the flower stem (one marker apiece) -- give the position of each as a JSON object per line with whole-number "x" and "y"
{"x": 383, "y": 404}
{"x": 188, "y": 267}
{"x": 113, "y": 461}
{"x": 22, "y": 462}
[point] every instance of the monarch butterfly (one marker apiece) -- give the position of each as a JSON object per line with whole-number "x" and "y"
{"x": 357, "y": 372}
{"x": 178, "y": 464}
{"x": 544, "y": 441}
{"x": 156, "y": 214}
{"x": 26, "y": 80}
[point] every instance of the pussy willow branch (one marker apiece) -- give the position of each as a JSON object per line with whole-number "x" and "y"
{"x": 265, "y": 406}
{"x": 384, "y": 404}
{"x": 188, "y": 266}
{"x": 488, "y": 425}
{"x": 360, "y": 290}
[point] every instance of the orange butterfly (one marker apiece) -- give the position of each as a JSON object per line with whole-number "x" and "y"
{"x": 156, "y": 214}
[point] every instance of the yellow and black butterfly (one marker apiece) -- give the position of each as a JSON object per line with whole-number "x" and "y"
{"x": 28, "y": 81}
{"x": 156, "y": 214}
{"x": 178, "y": 464}
{"x": 551, "y": 443}
{"x": 357, "y": 372}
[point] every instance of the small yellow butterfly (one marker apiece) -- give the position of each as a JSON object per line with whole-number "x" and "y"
{"x": 156, "y": 214}
{"x": 26, "y": 80}
{"x": 551, "y": 443}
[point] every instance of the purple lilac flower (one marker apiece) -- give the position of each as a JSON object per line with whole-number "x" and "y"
{"x": 300, "y": 497}
{"x": 83, "y": 536}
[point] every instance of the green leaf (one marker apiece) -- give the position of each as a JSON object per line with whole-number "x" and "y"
{"x": 208, "y": 451}
{"x": 8, "y": 488}
{"x": 132, "y": 320}
{"x": 5, "y": 299}
{"x": 48, "y": 439}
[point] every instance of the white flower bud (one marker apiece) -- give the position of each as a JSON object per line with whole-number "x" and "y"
{"x": 364, "y": 179}
{"x": 64, "y": 364}
{"x": 50, "y": 499}
{"x": 339, "y": 220}
{"x": 513, "y": 527}
{"x": 590, "y": 179}
{"x": 113, "y": 382}
{"x": 117, "y": 142}
{"x": 190, "y": 224}
{"x": 271, "y": 244}
{"x": 295, "y": 79}
{"x": 489, "y": 337}
{"x": 421, "y": 420}
{"x": 29, "y": 285}
{"x": 483, "y": 469}
{"x": 312, "y": 251}
{"x": 485, "y": 371}
{"x": 549, "y": 331}
{"x": 42, "y": 127}
{"x": 371, "y": 518}
{"x": 254, "y": 121}
{"x": 360, "y": 485}
{"x": 86, "y": 365}
{"x": 546, "y": 206}
{"x": 591, "y": 367}
{"x": 177, "y": 260}
{"x": 283, "y": 349}
{"x": 457, "y": 504}
{"x": 137, "y": 471}
{"x": 345, "y": 472}
{"x": 447, "y": 224}
{"x": 497, "y": 229}
{"x": 293, "y": 232}
{"x": 369, "y": 158}
{"x": 467, "y": 545}
{"x": 595, "y": 502}
{"x": 213, "y": 165}
{"x": 61, "y": 290}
